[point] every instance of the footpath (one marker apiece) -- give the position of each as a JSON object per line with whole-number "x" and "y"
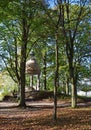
{"x": 42, "y": 104}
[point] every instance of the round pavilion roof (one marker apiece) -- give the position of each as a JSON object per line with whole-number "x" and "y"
{"x": 32, "y": 67}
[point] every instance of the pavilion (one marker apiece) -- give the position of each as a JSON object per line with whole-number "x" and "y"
{"x": 33, "y": 69}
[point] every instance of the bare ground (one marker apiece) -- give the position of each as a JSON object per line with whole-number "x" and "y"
{"x": 39, "y": 116}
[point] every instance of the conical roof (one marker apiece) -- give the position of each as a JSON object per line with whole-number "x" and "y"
{"x": 32, "y": 67}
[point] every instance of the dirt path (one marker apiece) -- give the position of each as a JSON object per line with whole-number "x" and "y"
{"x": 44, "y": 104}
{"x": 38, "y": 104}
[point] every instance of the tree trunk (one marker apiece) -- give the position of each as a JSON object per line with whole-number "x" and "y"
{"x": 73, "y": 87}
{"x": 73, "y": 94}
{"x": 56, "y": 78}
{"x": 44, "y": 77}
{"x": 22, "y": 74}
{"x": 55, "y": 100}
{"x": 25, "y": 30}
{"x": 67, "y": 87}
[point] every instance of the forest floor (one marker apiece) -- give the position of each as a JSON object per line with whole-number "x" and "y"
{"x": 38, "y": 115}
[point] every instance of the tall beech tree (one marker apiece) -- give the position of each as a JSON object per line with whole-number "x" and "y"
{"x": 19, "y": 25}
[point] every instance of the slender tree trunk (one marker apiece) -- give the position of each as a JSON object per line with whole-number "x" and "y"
{"x": 67, "y": 87}
{"x": 44, "y": 71}
{"x": 55, "y": 100}
{"x": 56, "y": 79}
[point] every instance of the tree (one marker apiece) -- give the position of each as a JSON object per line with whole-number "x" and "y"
{"x": 20, "y": 26}
{"x": 69, "y": 23}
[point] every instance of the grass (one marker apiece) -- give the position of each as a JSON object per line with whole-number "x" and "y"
{"x": 1, "y": 96}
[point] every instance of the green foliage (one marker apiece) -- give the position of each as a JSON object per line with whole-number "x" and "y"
{"x": 7, "y": 85}
{"x": 41, "y": 38}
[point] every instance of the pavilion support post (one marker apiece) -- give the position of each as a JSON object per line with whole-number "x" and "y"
{"x": 38, "y": 82}
{"x": 31, "y": 82}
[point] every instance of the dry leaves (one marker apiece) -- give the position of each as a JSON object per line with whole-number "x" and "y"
{"x": 42, "y": 119}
